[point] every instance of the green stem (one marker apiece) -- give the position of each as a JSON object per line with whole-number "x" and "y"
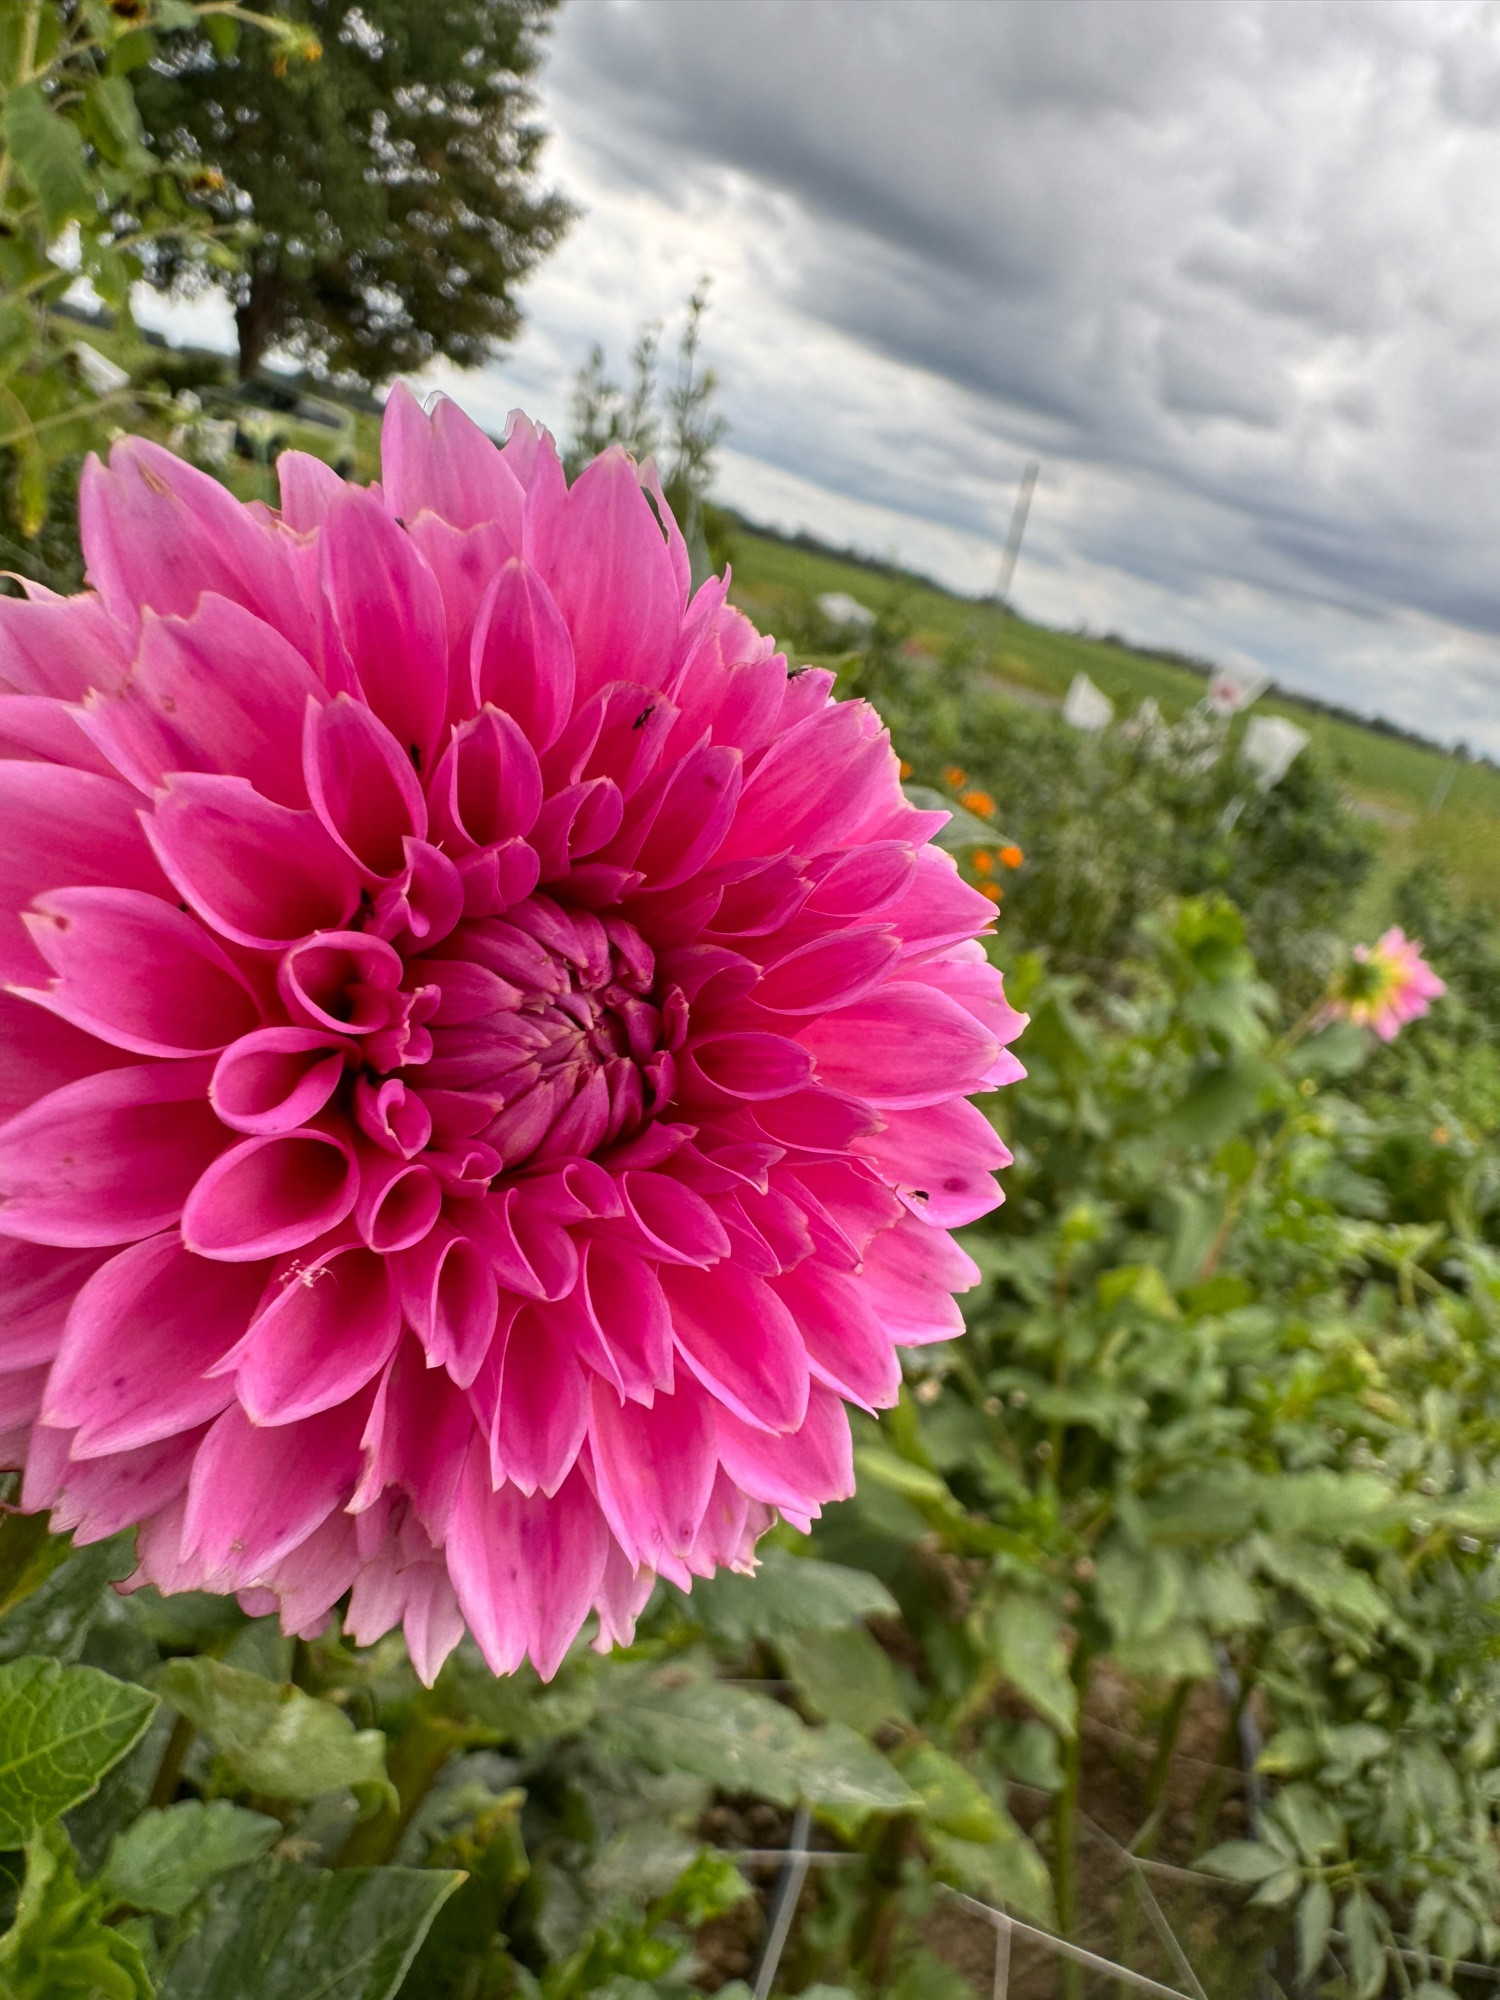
{"x": 1150, "y": 1831}
{"x": 414, "y": 1761}
{"x": 1065, "y": 1832}
{"x": 169, "y": 1771}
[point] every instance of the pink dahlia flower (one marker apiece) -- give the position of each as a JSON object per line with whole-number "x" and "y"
{"x": 484, "y": 1049}
{"x": 1389, "y": 984}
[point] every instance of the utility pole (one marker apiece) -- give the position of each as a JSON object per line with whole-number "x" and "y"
{"x": 1018, "y": 515}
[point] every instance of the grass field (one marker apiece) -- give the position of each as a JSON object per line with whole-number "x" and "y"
{"x": 1427, "y": 804}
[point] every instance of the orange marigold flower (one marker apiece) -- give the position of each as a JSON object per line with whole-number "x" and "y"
{"x": 1011, "y": 855}
{"x": 905, "y": 769}
{"x": 953, "y": 777}
{"x": 984, "y": 862}
{"x": 1440, "y": 1135}
{"x": 977, "y": 802}
{"x": 993, "y": 890}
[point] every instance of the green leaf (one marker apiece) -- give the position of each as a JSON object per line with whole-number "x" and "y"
{"x": 61, "y": 1728}
{"x": 57, "y": 1948}
{"x": 843, "y": 1677}
{"x": 284, "y": 1934}
{"x": 1218, "y": 1103}
{"x": 163, "y": 1860}
{"x": 954, "y": 1799}
{"x": 743, "y": 1742}
{"x": 1314, "y": 1922}
{"x": 1242, "y": 1861}
{"x": 1139, "y": 1590}
{"x": 18, "y": 333}
{"x": 914, "y": 1482}
{"x": 114, "y": 123}
{"x": 52, "y": 1605}
{"x": 1008, "y": 1871}
{"x": 48, "y": 153}
{"x": 1366, "y": 1951}
{"x": 786, "y": 1594}
{"x": 1027, "y": 1639}
{"x": 279, "y": 1740}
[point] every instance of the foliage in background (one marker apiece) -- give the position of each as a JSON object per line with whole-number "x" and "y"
{"x": 392, "y": 185}
{"x": 674, "y": 422}
{"x": 83, "y": 194}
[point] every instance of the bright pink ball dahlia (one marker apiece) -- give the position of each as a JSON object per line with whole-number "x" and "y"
{"x": 485, "y": 1048}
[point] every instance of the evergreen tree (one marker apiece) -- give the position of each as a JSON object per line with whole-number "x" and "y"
{"x": 392, "y": 184}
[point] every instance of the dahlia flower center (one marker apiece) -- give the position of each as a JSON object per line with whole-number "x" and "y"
{"x": 551, "y": 1021}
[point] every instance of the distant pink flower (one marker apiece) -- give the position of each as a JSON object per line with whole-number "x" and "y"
{"x": 484, "y": 1048}
{"x": 1389, "y": 984}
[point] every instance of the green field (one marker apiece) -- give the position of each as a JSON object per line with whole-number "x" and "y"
{"x": 1427, "y": 804}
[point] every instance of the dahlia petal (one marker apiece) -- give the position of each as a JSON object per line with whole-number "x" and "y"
{"x": 522, "y": 654}
{"x": 830, "y": 972}
{"x": 448, "y": 1290}
{"x": 308, "y": 488}
{"x": 399, "y": 1201}
{"x": 37, "y": 1288}
{"x": 257, "y": 1492}
{"x": 21, "y": 1391}
{"x": 864, "y": 880}
{"x": 269, "y": 1194}
{"x": 419, "y": 1428}
{"x": 675, "y": 1224}
{"x": 260, "y": 873}
{"x": 425, "y": 902}
{"x": 362, "y": 784}
{"x": 143, "y": 1335}
{"x": 753, "y": 1065}
{"x": 798, "y": 1474}
{"x": 487, "y": 788}
{"x": 741, "y": 1342}
{"x": 138, "y": 973}
{"x": 847, "y": 1347}
{"x": 902, "y": 1047}
{"x": 940, "y": 1159}
{"x": 653, "y": 1469}
{"x": 330, "y": 1329}
{"x": 621, "y": 1598}
{"x": 307, "y": 1583}
{"x": 278, "y": 1078}
{"x": 938, "y": 908}
{"x": 108, "y": 1159}
{"x": 439, "y": 461}
{"x": 432, "y": 1622}
{"x": 388, "y": 614}
{"x": 543, "y": 1409}
{"x": 58, "y": 828}
{"x": 910, "y": 1275}
{"x": 59, "y": 646}
{"x": 613, "y": 580}
{"x": 39, "y": 727}
{"x": 693, "y": 817}
{"x": 157, "y": 534}
{"x": 97, "y": 1497}
{"x": 628, "y": 1310}
{"x": 526, "y": 1570}
{"x": 342, "y": 983}
{"x": 223, "y": 690}
{"x": 39, "y": 1053}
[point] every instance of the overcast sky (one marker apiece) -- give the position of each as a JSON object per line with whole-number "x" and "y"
{"x": 1230, "y": 270}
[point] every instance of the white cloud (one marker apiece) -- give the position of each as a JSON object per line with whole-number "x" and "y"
{"x": 1230, "y": 271}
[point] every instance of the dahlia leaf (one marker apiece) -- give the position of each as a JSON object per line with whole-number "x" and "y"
{"x": 279, "y": 1740}
{"x": 743, "y": 1742}
{"x": 787, "y": 1594}
{"x": 162, "y": 1861}
{"x": 345, "y": 1936}
{"x": 844, "y": 1677}
{"x": 61, "y": 1729}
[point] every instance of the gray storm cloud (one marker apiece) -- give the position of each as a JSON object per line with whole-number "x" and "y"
{"x": 1233, "y": 271}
